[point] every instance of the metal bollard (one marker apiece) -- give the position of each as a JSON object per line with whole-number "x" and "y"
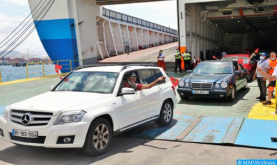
{"x": 27, "y": 73}
{"x": 0, "y": 77}
{"x": 43, "y": 70}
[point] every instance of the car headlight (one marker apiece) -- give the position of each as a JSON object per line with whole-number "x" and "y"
{"x": 5, "y": 114}
{"x": 181, "y": 83}
{"x": 216, "y": 85}
{"x": 224, "y": 84}
{"x": 70, "y": 117}
{"x": 187, "y": 85}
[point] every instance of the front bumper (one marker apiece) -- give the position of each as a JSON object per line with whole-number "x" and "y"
{"x": 221, "y": 93}
{"x": 47, "y": 135}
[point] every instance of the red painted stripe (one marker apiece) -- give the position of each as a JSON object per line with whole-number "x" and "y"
{"x": 241, "y": 12}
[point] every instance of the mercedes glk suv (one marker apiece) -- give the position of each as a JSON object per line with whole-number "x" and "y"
{"x": 87, "y": 107}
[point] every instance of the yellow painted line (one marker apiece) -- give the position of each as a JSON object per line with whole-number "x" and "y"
{"x": 19, "y": 81}
{"x": 29, "y": 79}
{"x": 263, "y": 112}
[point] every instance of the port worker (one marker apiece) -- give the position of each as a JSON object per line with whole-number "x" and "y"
{"x": 264, "y": 65}
{"x": 160, "y": 58}
{"x": 187, "y": 60}
{"x": 270, "y": 88}
{"x": 178, "y": 57}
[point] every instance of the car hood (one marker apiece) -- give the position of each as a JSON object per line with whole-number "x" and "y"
{"x": 207, "y": 78}
{"x": 60, "y": 100}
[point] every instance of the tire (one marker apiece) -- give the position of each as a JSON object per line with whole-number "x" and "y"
{"x": 232, "y": 95}
{"x": 166, "y": 114}
{"x": 100, "y": 132}
{"x": 184, "y": 98}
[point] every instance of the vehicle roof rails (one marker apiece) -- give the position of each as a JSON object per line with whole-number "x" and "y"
{"x": 129, "y": 65}
{"x": 93, "y": 65}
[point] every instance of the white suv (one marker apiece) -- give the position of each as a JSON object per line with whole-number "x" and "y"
{"x": 87, "y": 107}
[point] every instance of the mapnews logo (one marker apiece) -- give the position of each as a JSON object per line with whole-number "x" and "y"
{"x": 257, "y": 162}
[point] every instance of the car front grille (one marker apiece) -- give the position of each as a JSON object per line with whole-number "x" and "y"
{"x": 30, "y": 118}
{"x": 201, "y": 85}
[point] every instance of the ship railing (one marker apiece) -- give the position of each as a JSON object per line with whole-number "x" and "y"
{"x": 47, "y": 69}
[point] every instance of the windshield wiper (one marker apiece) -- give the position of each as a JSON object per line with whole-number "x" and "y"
{"x": 222, "y": 73}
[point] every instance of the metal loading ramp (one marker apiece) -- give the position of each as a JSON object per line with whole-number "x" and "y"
{"x": 213, "y": 130}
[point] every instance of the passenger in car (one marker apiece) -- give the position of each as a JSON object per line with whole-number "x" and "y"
{"x": 131, "y": 82}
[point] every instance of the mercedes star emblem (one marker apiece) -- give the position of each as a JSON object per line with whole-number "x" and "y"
{"x": 26, "y": 118}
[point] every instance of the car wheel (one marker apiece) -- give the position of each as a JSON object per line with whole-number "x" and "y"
{"x": 166, "y": 114}
{"x": 99, "y": 137}
{"x": 233, "y": 94}
{"x": 184, "y": 98}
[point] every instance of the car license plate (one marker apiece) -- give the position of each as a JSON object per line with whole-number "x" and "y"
{"x": 200, "y": 92}
{"x": 26, "y": 134}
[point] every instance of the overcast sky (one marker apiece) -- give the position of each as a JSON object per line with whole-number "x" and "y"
{"x": 13, "y": 12}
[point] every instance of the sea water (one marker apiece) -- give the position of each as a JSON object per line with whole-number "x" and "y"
{"x": 10, "y": 73}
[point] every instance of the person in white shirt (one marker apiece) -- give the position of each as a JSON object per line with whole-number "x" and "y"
{"x": 160, "y": 58}
{"x": 263, "y": 64}
{"x": 272, "y": 77}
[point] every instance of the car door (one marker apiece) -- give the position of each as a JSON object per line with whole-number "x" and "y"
{"x": 240, "y": 78}
{"x": 160, "y": 87}
{"x": 147, "y": 76}
{"x": 132, "y": 109}
{"x": 236, "y": 76}
{"x": 243, "y": 76}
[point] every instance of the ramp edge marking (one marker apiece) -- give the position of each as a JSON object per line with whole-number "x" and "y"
{"x": 233, "y": 131}
{"x": 188, "y": 129}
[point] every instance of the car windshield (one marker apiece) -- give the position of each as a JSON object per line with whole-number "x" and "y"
{"x": 235, "y": 58}
{"x": 213, "y": 68}
{"x": 98, "y": 82}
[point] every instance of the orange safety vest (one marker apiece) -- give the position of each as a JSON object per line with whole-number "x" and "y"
{"x": 272, "y": 63}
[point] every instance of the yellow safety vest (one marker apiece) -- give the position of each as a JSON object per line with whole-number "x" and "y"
{"x": 178, "y": 55}
{"x": 186, "y": 56}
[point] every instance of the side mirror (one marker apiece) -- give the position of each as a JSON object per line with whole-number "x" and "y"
{"x": 52, "y": 87}
{"x": 189, "y": 71}
{"x": 127, "y": 91}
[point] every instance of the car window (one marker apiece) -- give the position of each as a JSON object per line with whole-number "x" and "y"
{"x": 157, "y": 74}
{"x": 129, "y": 72}
{"x": 245, "y": 60}
{"x": 146, "y": 76}
{"x": 98, "y": 82}
{"x": 213, "y": 68}
{"x": 124, "y": 79}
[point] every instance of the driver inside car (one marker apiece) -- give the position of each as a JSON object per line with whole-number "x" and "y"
{"x": 131, "y": 82}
